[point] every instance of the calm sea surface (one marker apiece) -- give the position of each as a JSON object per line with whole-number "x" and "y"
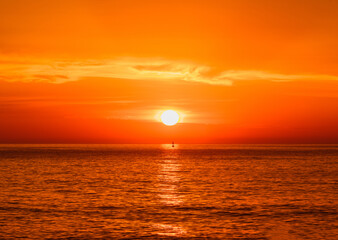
{"x": 160, "y": 192}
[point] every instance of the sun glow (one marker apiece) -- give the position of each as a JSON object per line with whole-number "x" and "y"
{"x": 170, "y": 117}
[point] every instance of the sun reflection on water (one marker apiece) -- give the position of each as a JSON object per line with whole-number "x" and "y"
{"x": 168, "y": 188}
{"x": 169, "y": 230}
{"x": 169, "y": 179}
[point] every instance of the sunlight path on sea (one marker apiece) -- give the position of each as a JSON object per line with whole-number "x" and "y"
{"x": 167, "y": 185}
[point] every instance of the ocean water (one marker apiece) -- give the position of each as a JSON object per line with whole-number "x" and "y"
{"x": 160, "y": 192}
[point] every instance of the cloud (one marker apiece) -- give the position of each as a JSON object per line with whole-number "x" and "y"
{"x": 261, "y": 75}
{"x": 25, "y": 70}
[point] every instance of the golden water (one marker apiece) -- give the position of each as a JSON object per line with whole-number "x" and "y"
{"x": 160, "y": 192}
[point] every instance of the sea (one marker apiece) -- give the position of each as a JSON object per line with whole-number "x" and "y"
{"x": 163, "y": 192}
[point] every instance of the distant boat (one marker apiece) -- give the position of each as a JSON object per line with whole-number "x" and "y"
{"x": 172, "y": 144}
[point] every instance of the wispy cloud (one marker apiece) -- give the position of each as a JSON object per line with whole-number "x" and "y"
{"x": 133, "y": 68}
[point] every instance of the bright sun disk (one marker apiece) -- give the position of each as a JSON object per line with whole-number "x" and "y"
{"x": 170, "y": 117}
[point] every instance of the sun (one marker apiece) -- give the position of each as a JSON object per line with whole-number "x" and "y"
{"x": 170, "y": 117}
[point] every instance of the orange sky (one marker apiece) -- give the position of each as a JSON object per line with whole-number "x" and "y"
{"x": 238, "y": 71}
